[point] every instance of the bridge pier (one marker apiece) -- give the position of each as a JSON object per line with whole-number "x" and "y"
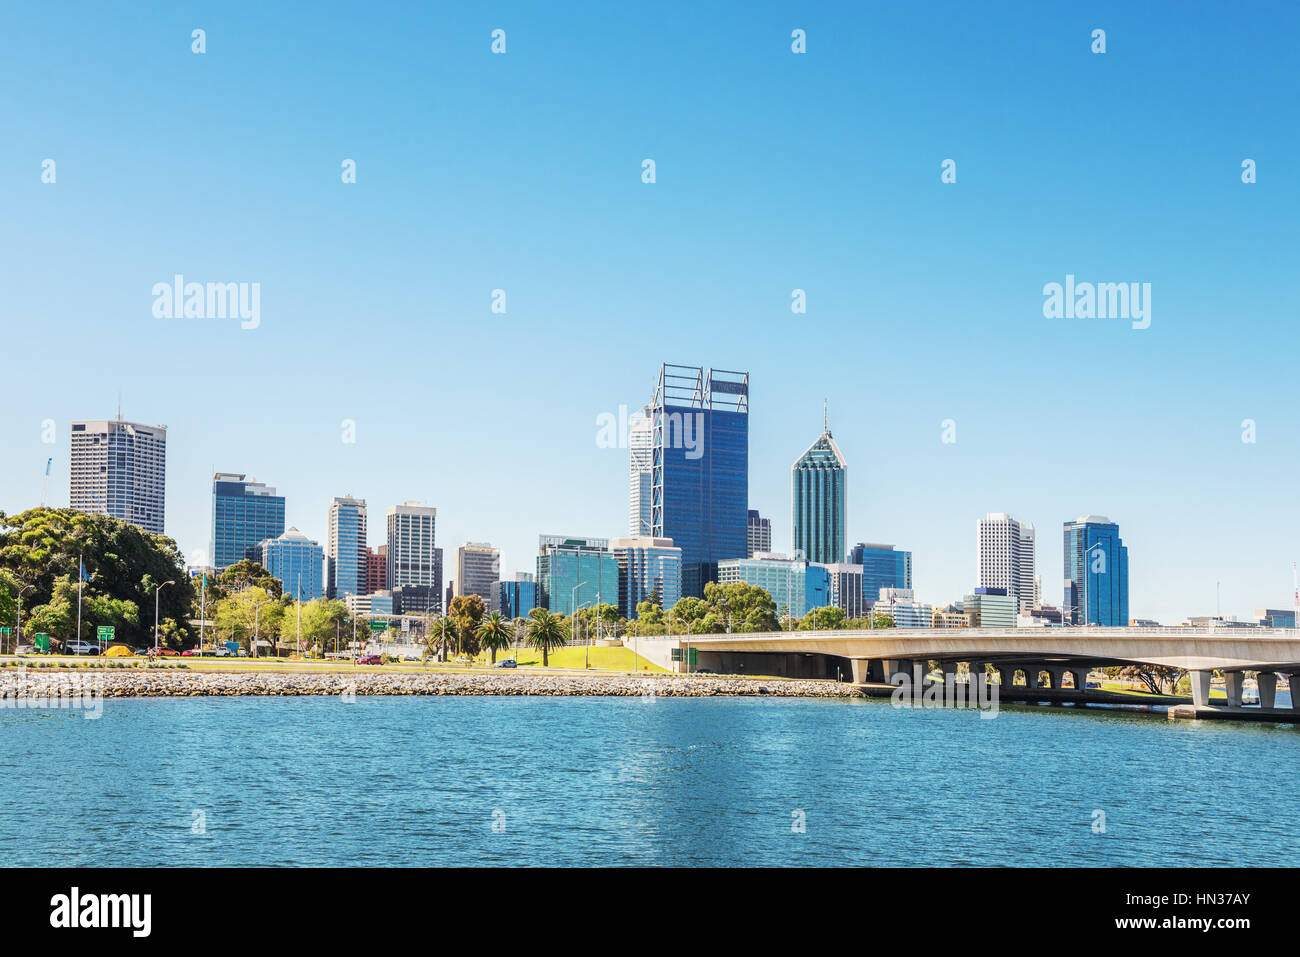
{"x": 1232, "y": 684}
{"x": 1293, "y": 679}
{"x": 1267, "y": 689}
{"x": 1057, "y": 674}
{"x": 861, "y": 670}
{"x": 1200, "y": 688}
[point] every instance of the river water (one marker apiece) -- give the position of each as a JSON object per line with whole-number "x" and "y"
{"x": 629, "y": 781}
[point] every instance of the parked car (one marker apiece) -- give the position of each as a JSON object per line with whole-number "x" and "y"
{"x": 25, "y": 650}
{"x": 506, "y": 663}
{"x": 167, "y": 653}
{"x": 370, "y": 660}
{"x": 80, "y": 646}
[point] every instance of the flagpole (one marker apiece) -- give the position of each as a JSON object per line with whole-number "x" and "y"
{"x": 81, "y": 577}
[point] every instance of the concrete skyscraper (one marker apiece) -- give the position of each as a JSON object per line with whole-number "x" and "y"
{"x": 640, "y": 446}
{"x": 1006, "y": 557}
{"x": 119, "y": 468}
{"x": 411, "y": 553}
{"x": 478, "y": 572}
{"x": 758, "y": 534}
{"x": 817, "y": 501}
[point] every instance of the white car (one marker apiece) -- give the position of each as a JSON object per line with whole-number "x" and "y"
{"x": 82, "y": 647}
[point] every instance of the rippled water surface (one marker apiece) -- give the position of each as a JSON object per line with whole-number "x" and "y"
{"x": 625, "y": 781}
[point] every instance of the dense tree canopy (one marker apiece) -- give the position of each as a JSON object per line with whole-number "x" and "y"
{"x": 45, "y": 547}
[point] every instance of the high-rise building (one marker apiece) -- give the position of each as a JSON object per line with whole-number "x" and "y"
{"x": 412, "y": 556}
{"x": 647, "y": 566}
{"x": 817, "y": 501}
{"x": 244, "y": 515}
{"x": 846, "y": 588}
{"x": 758, "y": 534}
{"x": 640, "y": 445}
{"x": 297, "y": 562}
{"x": 883, "y": 566}
{"x": 1006, "y": 557}
{"x": 517, "y": 598}
{"x": 119, "y": 468}
{"x": 478, "y": 572}
{"x": 1096, "y": 572}
{"x": 376, "y": 569}
{"x": 345, "y": 549}
{"x": 573, "y": 572}
{"x": 699, "y": 494}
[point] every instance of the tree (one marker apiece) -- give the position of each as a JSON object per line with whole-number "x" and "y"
{"x": 1157, "y": 678}
{"x": 605, "y": 613}
{"x": 123, "y": 563}
{"x": 495, "y": 635}
{"x": 824, "y": 618}
{"x": 248, "y": 611}
{"x": 466, "y": 612}
{"x": 245, "y": 573}
{"x": 546, "y": 630}
{"x": 748, "y": 607}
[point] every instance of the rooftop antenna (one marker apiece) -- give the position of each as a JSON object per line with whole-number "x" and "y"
{"x": 826, "y": 427}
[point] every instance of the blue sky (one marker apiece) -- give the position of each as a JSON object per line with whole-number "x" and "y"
{"x": 775, "y": 171}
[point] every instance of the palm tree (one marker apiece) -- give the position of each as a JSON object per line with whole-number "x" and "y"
{"x": 495, "y": 634}
{"x": 546, "y": 631}
{"x": 444, "y": 630}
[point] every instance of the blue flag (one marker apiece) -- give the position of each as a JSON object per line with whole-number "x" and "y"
{"x": 82, "y": 564}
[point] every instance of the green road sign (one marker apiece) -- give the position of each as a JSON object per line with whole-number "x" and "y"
{"x": 677, "y": 654}
{"x": 6, "y": 631}
{"x": 104, "y": 632}
{"x": 694, "y": 657}
{"x": 378, "y": 625}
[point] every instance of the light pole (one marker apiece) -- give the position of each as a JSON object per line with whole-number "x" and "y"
{"x": 573, "y": 611}
{"x": 157, "y": 594}
{"x": 257, "y": 620}
{"x": 18, "y": 625}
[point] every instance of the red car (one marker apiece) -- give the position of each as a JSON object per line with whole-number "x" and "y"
{"x": 370, "y": 660}
{"x": 166, "y": 652}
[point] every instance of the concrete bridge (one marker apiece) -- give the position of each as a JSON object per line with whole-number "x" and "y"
{"x": 1025, "y": 658}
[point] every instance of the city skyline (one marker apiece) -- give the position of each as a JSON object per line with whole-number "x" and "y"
{"x": 764, "y": 186}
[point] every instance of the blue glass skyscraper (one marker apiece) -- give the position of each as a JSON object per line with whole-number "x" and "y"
{"x": 699, "y": 494}
{"x": 244, "y": 514}
{"x": 883, "y": 566}
{"x": 1096, "y": 573}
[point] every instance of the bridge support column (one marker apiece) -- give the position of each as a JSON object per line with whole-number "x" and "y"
{"x": 1232, "y": 681}
{"x": 1200, "y": 688}
{"x": 1293, "y": 680}
{"x": 1267, "y": 689}
{"x": 1080, "y": 673}
{"x": 1057, "y": 674}
{"x": 860, "y": 668}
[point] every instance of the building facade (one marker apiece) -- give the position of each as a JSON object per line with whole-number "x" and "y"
{"x": 784, "y": 578}
{"x": 647, "y": 566}
{"x": 846, "y": 588}
{"x": 640, "y": 445}
{"x": 1006, "y": 557}
{"x": 478, "y": 572}
{"x": 992, "y": 608}
{"x": 901, "y": 605}
{"x": 297, "y": 562}
{"x": 517, "y": 598}
{"x": 818, "y": 499}
{"x": 345, "y": 548}
{"x": 1096, "y": 572}
{"x": 758, "y": 533}
{"x": 574, "y": 572}
{"x": 244, "y": 515}
{"x": 883, "y": 566}
{"x": 411, "y": 556}
{"x": 376, "y": 569}
{"x": 119, "y": 469}
{"x": 700, "y": 468}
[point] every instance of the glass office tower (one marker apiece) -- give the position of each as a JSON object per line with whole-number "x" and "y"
{"x": 883, "y": 566}
{"x": 699, "y": 493}
{"x": 817, "y": 501}
{"x": 244, "y": 514}
{"x": 575, "y": 572}
{"x": 297, "y": 562}
{"x": 1096, "y": 572}
{"x": 647, "y": 566}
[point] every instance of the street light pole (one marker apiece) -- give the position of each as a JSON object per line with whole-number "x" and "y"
{"x": 18, "y": 625}
{"x": 157, "y": 594}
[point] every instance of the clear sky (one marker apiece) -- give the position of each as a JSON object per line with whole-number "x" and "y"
{"x": 775, "y": 171}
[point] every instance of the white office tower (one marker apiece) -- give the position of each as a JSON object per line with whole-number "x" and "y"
{"x": 120, "y": 469}
{"x": 411, "y": 552}
{"x": 478, "y": 572}
{"x": 1006, "y": 557}
{"x": 640, "y": 447}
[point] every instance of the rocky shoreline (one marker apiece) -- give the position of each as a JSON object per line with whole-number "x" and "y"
{"x": 186, "y": 684}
